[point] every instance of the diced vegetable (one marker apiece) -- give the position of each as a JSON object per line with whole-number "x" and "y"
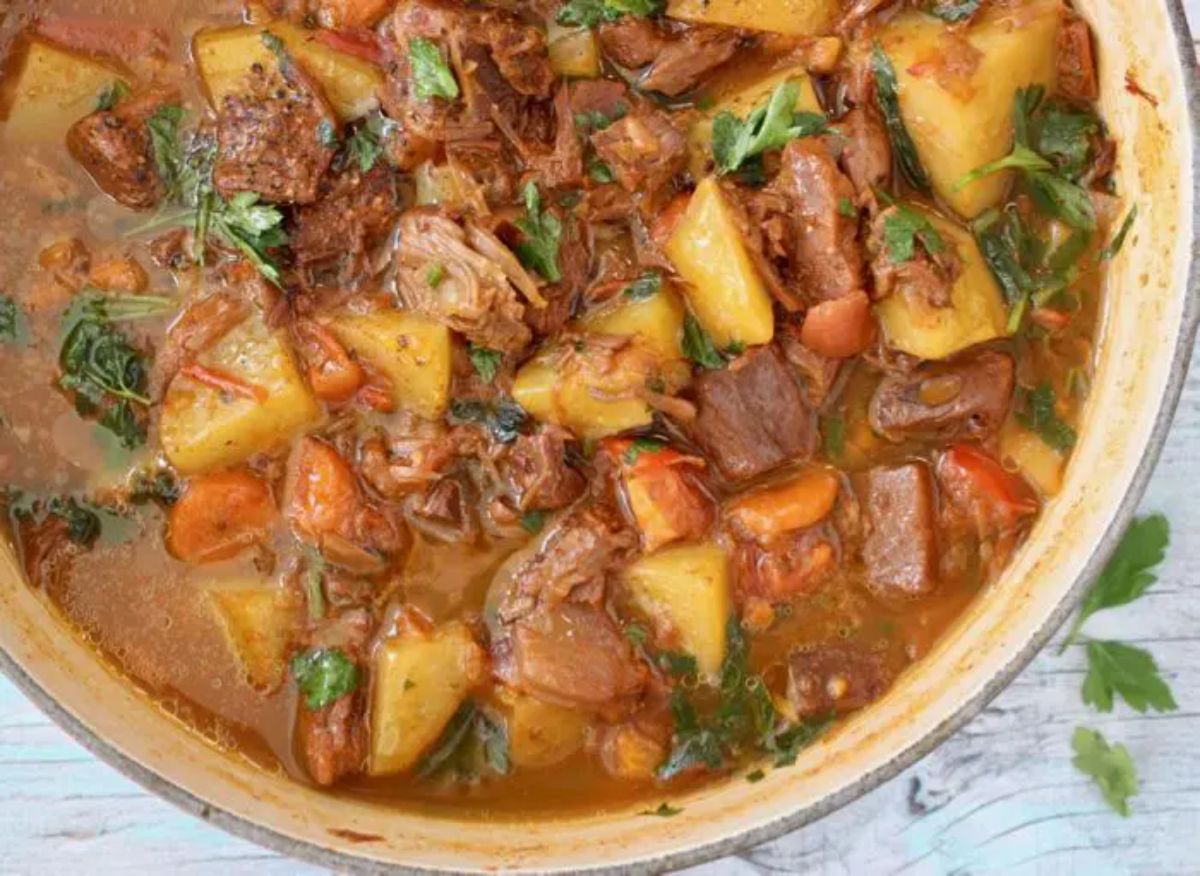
{"x": 595, "y": 403}
{"x": 419, "y": 681}
{"x": 50, "y": 89}
{"x": 574, "y": 52}
{"x": 791, "y": 17}
{"x": 741, "y": 102}
{"x": 798, "y": 503}
{"x": 260, "y": 622}
{"x": 666, "y": 504}
{"x": 224, "y": 57}
{"x": 1038, "y": 461}
{"x": 219, "y": 515}
{"x": 1007, "y": 493}
{"x": 726, "y": 291}
{"x": 541, "y": 734}
{"x": 976, "y": 312}
{"x": 412, "y": 352}
{"x": 204, "y": 427}
{"x": 687, "y": 589}
{"x": 962, "y": 119}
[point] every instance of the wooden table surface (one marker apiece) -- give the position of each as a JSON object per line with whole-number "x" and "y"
{"x": 1000, "y": 796}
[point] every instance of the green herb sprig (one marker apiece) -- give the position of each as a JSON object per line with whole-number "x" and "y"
{"x": 324, "y": 675}
{"x": 542, "y": 234}
{"x": 770, "y": 126}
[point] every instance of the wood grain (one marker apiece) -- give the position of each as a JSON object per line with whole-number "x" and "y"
{"x": 999, "y": 797}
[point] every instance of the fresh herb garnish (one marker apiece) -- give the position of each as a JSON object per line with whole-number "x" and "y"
{"x": 589, "y": 13}
{"x": 10, "y": 320}
{"x": 112, "y": 94}
{"x": 158, "y": 486}
{"x": 431, "y": 75}
{"x": 887, "y": 93}
{"x": 699, "y": 347}
{"x": 486, "y": 362}
{"x": 642, "y": 445}
{"x": 1064, "y": 135}
{"x": 1114, "y": 246}
{"x": 637, "y": 634}
{"x": 1131, "y": 673}
{"x": 599, "y": 172}
{"x": 503, "y": 418}
{"x": 755, "y": 776}
{"x": 252, "y": 228}
{"x": 83, "y": 524}
{"x": 274, "y": 45}
{"x": 1038, "y": 415}
{"x": 1110, "y": 767}
{"x": 902, "y": 228}
{"x": 769, "y": 126}
{"x": 644, "y": 286}
{"x": 834, "y": 433}
{"x": 472, "y": 735}
{"x": 434, "y": 275}
{"x": 327, "y": 134}
{"x": 365, "y": 143}
{"x": 664, "y": 810}
{"x": 677, "y": 663}
{"x": 533, "y": 521}
{"x": 846, "y": 208}
{"x": 453, "y": 736}
{"x": 314, "y": 583}
{"x": 324, "y": 675}
{"x": 952, "y": 11}
{"x": 595, "y": 120}
{"x": 542, "y": 233}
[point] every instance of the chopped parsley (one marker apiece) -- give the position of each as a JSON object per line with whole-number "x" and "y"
{"x": 1114, "y": 246}
{"x": 431, "y": 75}
{"x": 699, "y": 347}
{"x": 589, "y": 13}
{"x": 952, "y": 11}
{"x": 1110, "y": 767}
{"x": 887, "y": 93}
{"x": 1038, "y": 415}
{"x": 324, "y": 675}
{"x": 664, "y": 810}
{"x": 637, "y": 634}
{"x": 1129, "y": 672}
{"x": 112, "y": 94}
{"x": 542, "y": 233}
{"x": 595, "y": 120}
{"x": 473, "y": 739}
{"x": 834, "y": 433}
{"x": 365, "y": 146}
{"x": 533, "y": 521}
{"x": 846, "y": 208}
{"x": 486, "y": 362}
{"x": 11, "y": 320}
{"x": 642, "y": 445}
{"x": 158, "y": 486}
{"x": 599, "y": 172}
{"x": 327, "y": 134}
{"x": 770, "y": 126}
{"x": 677, "y": 663}
{"x": 645, "y": 286}
{"x": 434, "y": 275}
{"x": 902, "y": 228}
{"x": 503, "y": 418}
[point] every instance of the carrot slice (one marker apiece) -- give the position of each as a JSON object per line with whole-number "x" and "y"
{"x": 796, "y": 504}
{"x": 219, "y": 515}
{"x": 323, "y": 494}
{"x": 223, "y": 382}
{"x": 332, "y": 373}
{"x": 1008, "y": 493}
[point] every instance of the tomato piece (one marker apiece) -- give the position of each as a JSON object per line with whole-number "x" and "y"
{"x": 1008, "y": 493}
{"x": 839, "y": 328}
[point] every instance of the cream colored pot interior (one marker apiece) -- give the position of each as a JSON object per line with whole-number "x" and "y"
{"x": 1145, "y": 321}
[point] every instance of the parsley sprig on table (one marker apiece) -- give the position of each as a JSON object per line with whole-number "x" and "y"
{"x": 1116, "y": 669}
{"x": 770, "y": 126}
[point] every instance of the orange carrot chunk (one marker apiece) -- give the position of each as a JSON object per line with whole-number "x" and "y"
{"x": 219, "y": 515}
{"x": 796, "y": 504}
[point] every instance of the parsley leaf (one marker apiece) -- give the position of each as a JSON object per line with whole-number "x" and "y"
{"x": 533, "y": 521}
{"x": 664, "y": 810}
{"x": 902, "y": 228}
{"x": 1114, "y": 667}
{"x": 542, "y": 232}
{"x": 324, "y": 675}
{"x": 503, "y": 418}
{"x": 589, "y": 13}
{"x": 11, "y": 320}
{"x": 431, "y": 75}
{"x": 486, "y": 362}
{"x": 767, "y": 127}
{"x": 167, "y": 149}
{"x": 952, "y": 11}
{"x": 642, "y": 445}
{"x": 677, "y": 663}
{"x": 599, "y": 172}
{"x": 252, "y": 228}
{"x": 1129, "y": 572}
{"x": 112, "y": 94}
{"x": 83, "y": 524}
{"x": 699, "y": 347}
{"x": 1063, "y": 135}
{"x": 452, "y": 740}
{"x": 1040, "y": 417}
{"x": 645, "y": 286}
{"x": 1114, "y": 246}
{"x": 1111, "y": 768}
{"x": 887, "y": 93}
{"x": 472, "y": 738}
{"x": 365, "y": 144}
{"x": 595, "y": 120}
{"x": 834, "y": 432}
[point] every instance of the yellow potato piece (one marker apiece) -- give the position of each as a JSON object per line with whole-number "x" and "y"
{"x": 203, "y": 429}
{"x": 688, "y": 587}
{"x": 260, "y": 623}
{"x": 574, "y": 52}
{"x": 791, "y": 17}
{"x": 418, "y": 682}
{"x": 961, "y": 127}
{"x": 741, "y": 102}
{"x": 412, "y": 352}
{"x": 976, "y": 313}
{"x": 50, "y": 90}
{"x": 570, "y": 399}
{"x": 726, "y": 292}
{"x": 224, "y": 56}
{"x": 541, "y": 734}
{"x": 1041, "y": 464}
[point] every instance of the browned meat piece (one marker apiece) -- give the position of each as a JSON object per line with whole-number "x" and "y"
{"x": 355, "y": 210}
{"x": 519, "y": 51}
{"x": 827, "y": 257}
{"x": 867, "y": 151}
{"x": 900, "y": 548}
{"x": 929, "y": 277}
{"x": 47, "y": 551}
{"x": 603, "y": 96}
{"x": 114, "y": 148}
{"x": 333, "y": 739}
{"x": 575, "y": 656}
{"x": 562, "y": 298}
{"x": 753, "y": 415}
{"x": 573, "y": 560}
{"x": 276, "y": 139}
{"x": 819, "y": 373}
{"x": 687, "y": 59}
{"x": 536, "y": 471}
{"x": 792, "y": 565}
{"x": 945, "y": 401}
{"x": 563, "y": 166}
{"x": 465, "y": 277}
{"x": 443, "y": 512}
{"x": 1076, "y": 62}
{"x": 632, "y": 42}
{"x": 644, "y": 149}
{"x": 834, "y": 679}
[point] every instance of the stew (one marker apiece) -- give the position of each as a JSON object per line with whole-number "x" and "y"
{"x": 538, "y": 406}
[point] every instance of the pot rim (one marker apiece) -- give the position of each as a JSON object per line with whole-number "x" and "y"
{"x": 244, "y": 828}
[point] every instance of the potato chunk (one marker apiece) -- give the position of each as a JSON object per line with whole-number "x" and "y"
{"x": 412, "y": 352}
{"x": 726, "y": 291}
{"x": 541, "y": 734}
{"x": 225, "y": 55}
{"x": 203, "y": 428}
{"x": 1041, "y": 464}
{"x": 741, "y": 102}
{"x": 574, "y": 52}
{"x": 956, "y": 91}
{"x": 50, "y": 89}
{"x": 791, "y": 17}
{"x": 976, "y": 313}
{"x": 559, "y": 386}
{"x": 687, "y": 590}
{"x": 260, "y": 623}
{"x": 419, "y": 681}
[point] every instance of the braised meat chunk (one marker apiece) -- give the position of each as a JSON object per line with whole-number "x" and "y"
{"x": 644, "y": 149}
{"x": 834, "y": 679}
{"x": 355, "y": 210}
{"x": 900, "y": 550}
{"x": 753, "y": 416}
